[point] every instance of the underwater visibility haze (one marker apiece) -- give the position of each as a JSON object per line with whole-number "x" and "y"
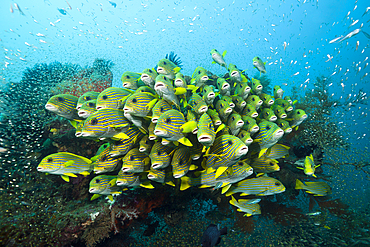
{"x": 184, "y": 123}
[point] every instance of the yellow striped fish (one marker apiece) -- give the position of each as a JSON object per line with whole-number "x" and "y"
{"x": 215, "y": 117}
{"x": 130, "y": 80}
{"x": 235, "y": 123}
{"x": 197, "y": 104}
{"x": 279, "y": 111}
{"x": 138, "y": 104}
{"x": 267, "y": 114}
{"x": 87, "y": 108}
{"x": 284, "y": 125}
{"x": 245, "y": 206}
{"x": 66, "y": 165}
{"x": 256, "y": 86}
{"x": 192, "y": 121}
{"x": 264, "y": 165}
{"x": 122, "y": 146}
{"x": 160, "y": 155}
{"x": 242, "y": 89}
{"x": 223, "y": 86}
{"x": 254, "y": 100}
{"x": 284, "y": 104}
{"x": 106, "y": 123}
{"x": 278, "y": 92}
{"x": 148, "y": 77}
{"x": 86, "y": 97}
{"x": 135, "y": 161}
{"x": 277, "y": 151}
{"x": 296, "y": 117}
{"x": 102, "y": 185}
{"x": 239, "y": 103}
{"x": 106, "y": 163}
{"x": 171, "y": 126}
{"x": 145, "y": 145}
{"x": 268, "y": 135}
{"x": 167, "y": 68}
{"x": 223, "y": 109}
{"x": 245, "y": 137}
{"x": 228, "y": 100}
{"x": 181, "y": 162}
{"x": 208, "y": 94}
{"x": 160, "y": 176}
{"x": 63, "y": 105}
{"x": 112, "y": 97}
{"x": 159, "y": 108}
{"x": 250, "y": 111}
{"x": 315, "y": 188}
{"x": 309, "y": 166}
{"x": 128, "y": 179}
{"x": 234, "y": 73}
{"x": 180, "y": 80}
{"x": 267, "y": 100}
{"x": 261, "y": 186}
{"x": 164, "y": 88}
{"x": 206, "y": 134}
{"x": 199, "y": 77}
{"x": 250, "y": 124}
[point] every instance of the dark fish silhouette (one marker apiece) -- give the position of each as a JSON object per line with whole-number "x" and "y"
{"x": 113, "y": 4}
{"x": 212, "y": 235}
{"x": 62, "y": 11}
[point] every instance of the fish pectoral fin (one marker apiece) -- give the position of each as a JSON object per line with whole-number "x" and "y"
{"x": 176, "y": 70}
{"x": 225, "y": 188}
{"x": 204, "y": 186}
{"x": 213, "y": 62}
{"x": 65, "y": 178}
{"x": 193, "y": 167}
{"x": 221, "y": 127}
{"x": 180, "y": 90}
{"x": 262, "y": 152}
{"x": 220, "y": 170}
{"x": 68, "y": 163}
{"x": 69, "y": 174}
{"x": 113, "y": 182}
{"x": 95, "y": 196}
{"x": 185, "y": 141}
{"x": 147, "y": 185}
{"x": 110, "y": 197}
{"x": 189, "y": 127}
{"x": 85, "y": 173}
{"x": 170, "y": 183}
{"x": 121, "y": 136}
{"x": 93, "y": 159}
{"x": 247, "y": 215}
{"x": 260, "y": 174}
{"x": 151, "y": 104}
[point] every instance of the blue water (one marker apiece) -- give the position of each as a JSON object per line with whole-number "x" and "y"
{"x": 293, "y": 37}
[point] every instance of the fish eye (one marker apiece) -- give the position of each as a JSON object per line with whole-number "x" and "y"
{"x": 60, "y": 99}
{"x": 161, "y": 110}
{"x": 104, "y": 158}
{"x": 232, "y": 118}
{"x": 230, "y": 142}
{"x": 277, "y": 184}
{"x": 105, "y": 145}
{"x": 150, "y": 71}
{"x": 248, "y": 110}
{"x": 134, "y": 100}
{"x": 165, "y": 78}
{"x": 132, "y": 157}
{"x": 298, "y": 112}
{"x": 159, "y": 153}
{"x": 168, "y": 120}
{"x": 240, "y": 163}
{"x": 271, "y": 164}
{"x": 199, "y": 72}
{"x": 50, "y": 160}
{"x": 98, "y": 180}
{"x": 278, "y": 111}
{"x": 242, "y": 135}
{"x": 165, "y": 63}
{"x": 105, "y": 97}
{"x": 127, "y": 76}
{"x": 268, "y": 127}
{"x": 241, "y": 85}
{"x": 94, "y": 121}
{"x": 247, "y": 122}
{"x": 88, "y": 98}
{"x": 91, "y": 105}
{"x": 146, "y": 142}
{"x": 253, "y": 99}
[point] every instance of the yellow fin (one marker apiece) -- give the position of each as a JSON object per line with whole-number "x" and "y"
{"x": 170, "y": 183}
{"x": 94, "y": 197}
{"x": 180, "y": 90}
{"x": 68, "y": 163}
{"x": 185, "y": 183}
{"x": 147, "y": 185}
{"x": 220, "y": 170}
{"x": 121, "y": 136}
{"x": 260, "y": 174}
{"x": 176, "y": 70}
{"x": 113, "y": 182}
{"x": 188, "y": 126}
{"x": 225, "y": 188}
{"x": 193, "y": 167}
{"x": 110, "y": 198}
{"x": 262, "y": 152}
{"x": 221, "y": 127}
{"x": 78, "y": 156}
{"x": 204, "y": 186}
{"x": 185, "y": 141}
{"x": 152, "y": 103}
{"x": 93, "y": 159}
{"x": 69, "y": 174}
{"x": 74, "y": 123}
{"x": 85, "y": 173}
{"x": 65, "y": 178}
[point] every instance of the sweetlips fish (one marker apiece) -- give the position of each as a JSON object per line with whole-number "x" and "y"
{"x": 112, "y": 97}
{"x": 101, "y": 185}
{"x": 130, "y": 179}
{"x": 145, "y": 145}
{"x": 315, "y": 188}
{"x": 199, "y": 77}
{"x": 100, "y": 150}
{"x": 206, "y": 134}
{"x": 254, "y": 100}
{"x": 250, "y": 111}
{"x": 122, "y": 146}
{"x": 192, "y": 120}
{"x": 284, "y": 104}
{"x": 181, "y": 162}
{"x": 180, "y": 80}
{"x": 233, "y": 174}
{"x": 223, "y": 109}
{"x": 278, "y": 92}
{"x": 225, "y": 151}
{"x": 245, "y": 137}
{"x": 239, "y": 103}
{"x": 277, "y": 151}
{"x": 296, "y": 117}
{"x": 215, "y": 117}
{"x": 259, "y": 65}
{"x": 160, "y": 155}
{"x": 159, "y": 108}
{"x": 242, "y": 89}
{"x": 267, "y": 114}
{"x": 212, "y": 235}
{"x": 63, "y": 105}
{"x": 148, "y": 77}
{"x": 289, "y": 99}
{"x": 256, "y": 86}
{"x": 86, "y": 97}
{"x": 235, "y": 123}
{"x": 264, "y": 165}
{"x": 223, "y": 86}
{"x": 234, "y": 73}
{"x": 261, "y": 186}
{"x": 138, "y": 104}
{"x": 309, "y": 166}
{"x": 135, "y": 161}
{"x": 284, "y": 125}
{"x": 167, "y": 68}
{"x": 163, "y": 87}
{"x": 106, "y": 123}
{"x": 267, "y": 100}
{"x": 171, "y": 126}
{"x": 279, "y": 111}
{"x": 66, "y": 165}
{"x": 160, "y": 176}
{"x": 130, "y": 80}
{"x": 106, "y": 163}
{"x": 245, "y": 206}
{"x": 151, "y": 135}
{"x": 87, "y": 108}
{"x": 197, "y": 104}
{"x": 250, "y": 125}
{"x": 228, "y": 100}
{"x": 268, "y": 135}
{"x": 218, "y": 58}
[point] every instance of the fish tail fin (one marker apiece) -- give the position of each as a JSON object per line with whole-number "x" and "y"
{"x": 233, "y": 201}
{"x": 185, "y": 183}
{"x": 298, "y": 185}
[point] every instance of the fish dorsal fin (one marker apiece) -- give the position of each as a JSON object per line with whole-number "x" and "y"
{"x": 225, "y": 188}
{"x": 94, "y": 197}
{"x": 78, "y": 156}
{"x": 185, "y": 141}
{"x": 121, "y": 136}
{"x": 220, "y": 170}
{"x": 224, "y": 53}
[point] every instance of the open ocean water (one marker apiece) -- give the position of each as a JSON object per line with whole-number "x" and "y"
{"x": 316, "y": 51}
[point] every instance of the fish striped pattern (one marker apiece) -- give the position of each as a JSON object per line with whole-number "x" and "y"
{"x": 160, "y": 155}
{"x": 137, "y": 104}
{"x": 181, "y": 162}
{"x": 250, "y": 124}
{"x": 112, "y": 98}
{"x": 170, "y": 121}
{"x": 65, "y": 103}
{"x": 205, "y": 127}
{"x": 284, "y": 125}
{"x": 128, "y": 179}
{"x": 101, "y": 185}
{"x": 157, "y": 175}
{"x": 99, "y": 122}
{"x": 250, "y": 111}
{"x": 134, "y": 161}
{"x": 159, "y": 108}
{"x": 122, "y": 146}
{"x": 262, "y": 186}
{"x": 87, "y": 97}
{"x": 254, "y": 100}
{"x": 197, "y": 104}
{"x": 277, "y": 151}
{"x": 316, "y": 188}
{"x": 89, "y": 107}
{"x": 105, "y": 162}
{"x": 55, "y": 163}
{"x": 265, "y": 165}
{"x": 267, "y": 134}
